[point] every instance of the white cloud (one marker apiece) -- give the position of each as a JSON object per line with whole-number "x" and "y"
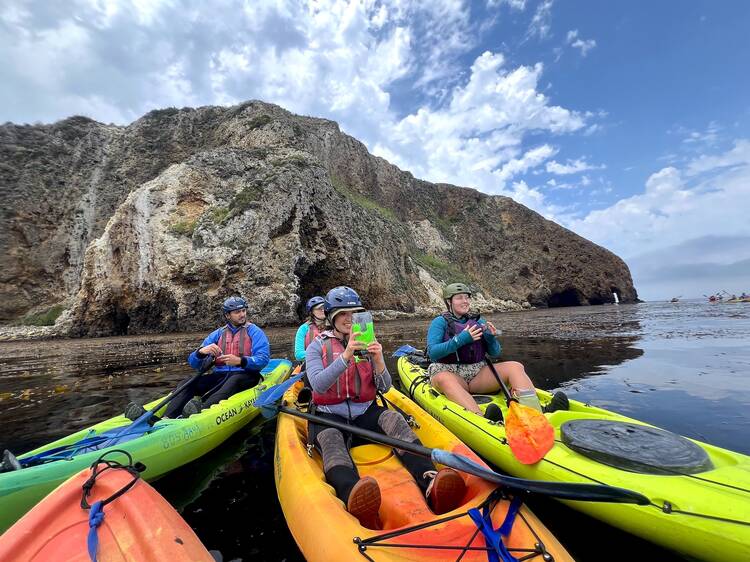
{"x": 514, "y": 4}
{"x": 571, "y": 167}
{"x": 477, "y": 138}
{"x": 739, "y": 155}
{"x": 694, "y": 267}
{"x": 541, "y": 23}
{"x": 115, "y": 61}
{"x": 697, "y": 140}
{"x": 710, "y": 196}
{"x": 585, "y": 45}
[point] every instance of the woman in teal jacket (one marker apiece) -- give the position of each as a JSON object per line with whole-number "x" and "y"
{"x": 458, "y": 342}
{"x": 314, "y": 325}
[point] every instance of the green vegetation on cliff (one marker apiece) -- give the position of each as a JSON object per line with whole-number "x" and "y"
{"x": 361, "y": 200}
{"x": 46, "y": 318}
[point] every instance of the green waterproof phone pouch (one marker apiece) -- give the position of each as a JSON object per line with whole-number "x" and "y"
{"x": 362, "y": 330}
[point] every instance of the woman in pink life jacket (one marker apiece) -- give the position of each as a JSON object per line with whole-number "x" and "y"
{"x": 457, "y": 343}
{"x": 316, "y": 324}
{"x": 344, "y": 390}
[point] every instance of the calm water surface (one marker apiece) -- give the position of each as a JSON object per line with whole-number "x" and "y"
{"x": 683, "y": 366}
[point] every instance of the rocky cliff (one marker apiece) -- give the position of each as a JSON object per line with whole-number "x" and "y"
{"x": 147, "y": 227}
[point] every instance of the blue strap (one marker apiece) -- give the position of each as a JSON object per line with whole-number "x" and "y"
{"x": 492, "y": 536}
{"x": 404, "y": 350}
{"x": 85, "y": 441}
{"x": 510, "y": 517}
{"x": 96, "y": 516}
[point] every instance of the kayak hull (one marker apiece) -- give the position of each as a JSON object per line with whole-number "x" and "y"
{"x": 706, "y": 515}
{"x": 138, "y": 526}
{"x": 170, "y": 444}
{"x": 325, "y": 531}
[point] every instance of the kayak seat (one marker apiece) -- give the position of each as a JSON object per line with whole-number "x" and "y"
{"x": 402, "y": 502}
{"x": 634, "y": 447}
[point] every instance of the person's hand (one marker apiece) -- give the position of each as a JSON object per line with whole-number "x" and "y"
{"x": 352, "y": 346}
{"x": 475, "y": 332}
{"x": 491, "y": 328}
{"x": 211, "y": 349}
{"x": 232, "y": 360}
{"x": 375, "y": 349}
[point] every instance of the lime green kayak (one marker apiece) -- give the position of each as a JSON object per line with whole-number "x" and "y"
{"x": 700, "y": 510}
{"x": 170, "y": 443}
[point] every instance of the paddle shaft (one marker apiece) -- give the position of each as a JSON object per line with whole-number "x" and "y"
{"x": 168, "y": 398}
{"x": 491, "y": 365}
{"x": 561, "y": 490}
{"x": 415, "y": 448}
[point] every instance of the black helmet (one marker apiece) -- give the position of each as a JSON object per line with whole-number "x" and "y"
{"x": 313, "y": 302}
{"x": 340, "y": 299}
{"x": 234, "y": 303}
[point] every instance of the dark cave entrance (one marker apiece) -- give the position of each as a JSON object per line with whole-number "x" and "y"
{"x": 316, "y": 279}
{"x": 568, "y": 297}
{"x": 120, "y": 321}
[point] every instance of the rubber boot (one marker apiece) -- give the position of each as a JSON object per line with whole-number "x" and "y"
{"x": 9, "y": 462}
{"x": 559, "y": 402}
{"x": 194, "y": 406}
{"x": 493, "y": 413}
{"x": 133, "y": 411}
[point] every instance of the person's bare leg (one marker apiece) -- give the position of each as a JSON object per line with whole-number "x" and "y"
{"x": 512, "y": 373}
{"x": 456, "y": 390}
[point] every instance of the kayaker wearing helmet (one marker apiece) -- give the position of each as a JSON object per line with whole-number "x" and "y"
{"x": 240, "y": 350}
{"x": 315, "y": 324}
{"x": 457, "y": 343}
{"x": 344, "y": 390}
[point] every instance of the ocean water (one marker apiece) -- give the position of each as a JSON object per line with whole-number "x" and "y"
{"x": 683, "y": 366}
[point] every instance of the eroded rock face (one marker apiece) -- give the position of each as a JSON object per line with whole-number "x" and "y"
{"x": 252, "y": 200}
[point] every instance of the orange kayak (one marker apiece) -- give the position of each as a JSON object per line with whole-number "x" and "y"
{"x": 326, "y": 532}
{"x": 137, "y": 526}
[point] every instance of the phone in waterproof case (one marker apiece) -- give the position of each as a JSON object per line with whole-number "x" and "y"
{"x": 363, "y": 330}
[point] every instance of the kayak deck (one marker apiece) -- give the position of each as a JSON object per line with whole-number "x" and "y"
{"x": 705, "y": 514}
{"x": 139, "y": 525}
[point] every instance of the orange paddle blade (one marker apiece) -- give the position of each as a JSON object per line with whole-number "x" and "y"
{"x": 528, "y": 432}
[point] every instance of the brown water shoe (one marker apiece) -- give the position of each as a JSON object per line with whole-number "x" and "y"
{"x": 364, "y": 502}
{"x": 446, "y": 491}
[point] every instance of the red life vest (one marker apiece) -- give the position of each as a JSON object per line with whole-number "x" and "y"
{"x": 238, "y": 343}
{"x": 312, "y": 332}
{"x": 355, "y": 384}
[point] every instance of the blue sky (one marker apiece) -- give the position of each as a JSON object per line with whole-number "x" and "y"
{"x": 627, "y": 122}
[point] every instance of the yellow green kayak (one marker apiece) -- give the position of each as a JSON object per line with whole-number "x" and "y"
{"x": 699, "y": 493}
{"x": 170, "y": 443}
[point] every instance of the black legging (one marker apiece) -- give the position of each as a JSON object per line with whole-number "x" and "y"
{"x": 340, "y": 471}
{"x": 226, "y": 384}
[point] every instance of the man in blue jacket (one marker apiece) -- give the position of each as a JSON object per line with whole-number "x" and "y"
{"x": 240, "y": 350}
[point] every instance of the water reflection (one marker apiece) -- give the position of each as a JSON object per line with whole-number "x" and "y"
{"x": 683, "y": 367}
{"x": 229, "y": 498}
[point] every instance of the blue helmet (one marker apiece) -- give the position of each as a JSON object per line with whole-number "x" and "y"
{"x": 341, "y": 298}
{"x": 313, "y": 302}
{"x": 234, "y": 303}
